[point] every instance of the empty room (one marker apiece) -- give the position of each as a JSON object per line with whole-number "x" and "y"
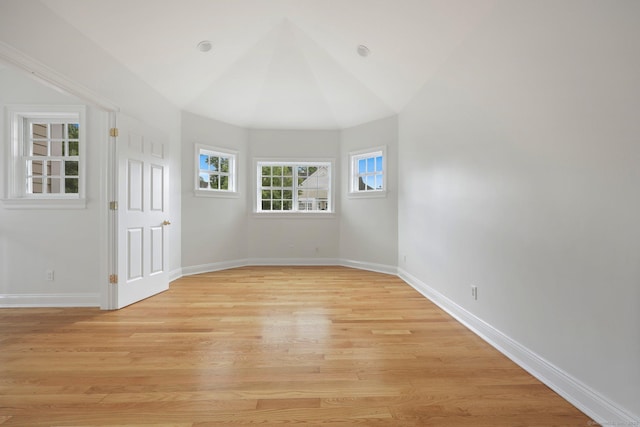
{"x": 319, "y": 212}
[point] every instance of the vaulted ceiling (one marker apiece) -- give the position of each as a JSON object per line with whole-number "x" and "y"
{"x": 287, "y": 64}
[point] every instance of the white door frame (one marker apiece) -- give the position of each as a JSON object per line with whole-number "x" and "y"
{"x": 109, "y": 295}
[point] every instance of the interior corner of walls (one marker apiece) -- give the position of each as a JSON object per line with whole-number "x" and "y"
{"x": 261, "y": 261}
{"x": 586, "y": 399}
{"x": 225, "y": 265}
{"x": 369, "y": 266}
{"x": 211, "y": 267}
{"x": 292, "y": 261}
{"x": 175, "y": 274}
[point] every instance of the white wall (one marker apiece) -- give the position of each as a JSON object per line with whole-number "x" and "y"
{"x": 214, "y": 230}
{"x": 311, "y": 240}
{"x": 368, "y": 226}
{"x": 519, "y": 173}
{"x": 222, "y": 232}
{"x": 35, "y": 31}
{"x": 63, "y": 240}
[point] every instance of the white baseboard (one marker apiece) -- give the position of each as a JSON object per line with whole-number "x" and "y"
{"x": 369, "y": 266}
{"x": 49, "y": 300}
{"x": 217, "y": 266}
{"x": 574, "y": 391}
{"x": 293, "y": 261}
{"x": 214, "y": 266}
{"x": 175, "y": 274}
{"x": 593, "y": 404}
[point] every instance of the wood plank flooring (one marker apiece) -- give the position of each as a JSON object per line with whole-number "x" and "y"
{"x": 265, "y": 345}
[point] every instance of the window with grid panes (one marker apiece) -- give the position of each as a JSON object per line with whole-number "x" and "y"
{"x": 367, "y": 174}
{"x": 294, "y": 187}
{"x": 216, "y": 170}
{"x": 47, "y": 154}
{"x": 52, "y": 158}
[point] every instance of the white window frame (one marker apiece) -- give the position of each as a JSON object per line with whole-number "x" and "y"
{"x": 295, "y": 212}
{"x": 17, "y": 118}
{"x": 353, "y": 181}
{"x": 232, "y": 155}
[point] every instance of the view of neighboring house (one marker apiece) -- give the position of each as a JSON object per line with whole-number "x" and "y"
{"x": 52, "y": 162}
{"x": 313, "y": 192}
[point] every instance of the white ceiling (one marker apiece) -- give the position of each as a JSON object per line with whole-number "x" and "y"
{"x": 286, "y": 64}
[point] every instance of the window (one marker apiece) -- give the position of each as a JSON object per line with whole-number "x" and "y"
{"x": 216, "y": 171}
{"x": 52, "y": 156}
{"x": 294, "y": 187}
{"x": 367, "y": 172}
{"x": 47, "y": 155}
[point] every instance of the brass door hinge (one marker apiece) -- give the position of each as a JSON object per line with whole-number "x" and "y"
{"x": 113, "y": 205}
{"x": 113, "y": 279}
{"x": 113, "y": 132}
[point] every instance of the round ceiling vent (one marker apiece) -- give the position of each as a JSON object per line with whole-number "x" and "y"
{"x": 204, "y": 46}
{"x": 363, "y": 51}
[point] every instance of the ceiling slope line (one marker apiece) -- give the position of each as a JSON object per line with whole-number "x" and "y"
{"x": 287, "y": 49}
{"x": 485, "y": 8}
{"x": 256, "y": 58}
{"x": 387, "y": 110}
{"x": 256, "y": 46}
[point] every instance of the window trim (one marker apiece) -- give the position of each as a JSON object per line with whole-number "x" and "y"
{"x": 352, "y": 181}
{"x": 233, "y": 172}
{"x": 16, "y": 196}
{"x": 259, "y": 162}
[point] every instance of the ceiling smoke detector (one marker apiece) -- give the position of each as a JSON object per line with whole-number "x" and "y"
{"x": 363, "y": 51}
{"x": 204, "y": 46}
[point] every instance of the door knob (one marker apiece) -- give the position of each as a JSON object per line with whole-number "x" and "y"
{"x": 165, "y": 222}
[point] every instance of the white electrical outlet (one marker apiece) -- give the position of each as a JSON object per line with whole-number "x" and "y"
{"x": 50, "y": 275}
{"x": 474, "y": 292}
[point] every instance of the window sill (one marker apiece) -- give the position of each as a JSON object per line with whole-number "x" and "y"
{"x": 367, "y": 195}
{"x": 217, "y": 194}
{"x": 28, "y": 203}
{"x": 294, "y": 215}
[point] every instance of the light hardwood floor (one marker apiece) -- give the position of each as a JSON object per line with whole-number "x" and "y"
{"x": 270, "y": 345}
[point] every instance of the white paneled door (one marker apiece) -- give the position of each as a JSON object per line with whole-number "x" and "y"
{"x": 142, "y": 213}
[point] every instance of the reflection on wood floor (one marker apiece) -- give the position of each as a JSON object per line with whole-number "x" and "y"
{"x": 271, "y": 345}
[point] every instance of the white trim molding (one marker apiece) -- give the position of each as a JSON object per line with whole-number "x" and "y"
{"x": 52, "y": 78}
{"x": 49, "y": 300}
{"x": 225, "y": 265}
{"x": 25, "y": 203}
{"x": 593, "y": 404}
{"x": 294, "y": 261}
{"x": 175, "y": 274}
{"x": 370, "y": 266}
{"x": 589, "y": 401}
{"x": 214, "y": 266}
